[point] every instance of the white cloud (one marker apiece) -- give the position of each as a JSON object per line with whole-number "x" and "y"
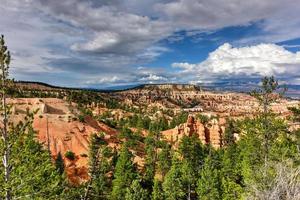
{"x": 213, "y": 14}
{"x": 259, "y": 60}
{"x": 104, "y": 80}
{"x": 152, "y": 78}
{"x": 103, "y": 40}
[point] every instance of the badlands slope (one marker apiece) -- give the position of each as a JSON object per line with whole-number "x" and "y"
{"x": 57, "y": 127}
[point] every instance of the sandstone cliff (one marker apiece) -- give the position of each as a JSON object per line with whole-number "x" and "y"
{"x": 209, "y": 133}
{"x": 59, "y": 130}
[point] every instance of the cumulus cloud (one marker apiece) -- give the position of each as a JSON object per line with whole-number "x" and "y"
{"x": 153, "y": 78}
{"x": 213, "y": 14}
{"x": 109, "y": 28}
{"x": 250, "y": 61}
{"x": 104, "y": 80}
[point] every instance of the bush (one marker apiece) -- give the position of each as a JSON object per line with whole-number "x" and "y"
{"x": 70, "y": 155}
{"x": 81, "y": 118}
{"x": 84, "y": 155}
{"x": 203, "y": 118}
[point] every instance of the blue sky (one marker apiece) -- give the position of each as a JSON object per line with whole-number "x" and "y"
{"x": 101, "y": 43}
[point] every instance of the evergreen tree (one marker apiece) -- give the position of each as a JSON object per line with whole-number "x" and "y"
{"x": 232, "y": 179}
{"x": 157, "y": 192}
{"x": 33, "y": 176}
{"x": 150, "y": 158}
{"x": 173, "y": 185}
{"x": 230, "y": 129}
{"x": 59, "y": 164}
{"x": 152, "y": 146}
{"x": 252, "y": 147}
{"x": 136, "y": 192}
{"x": 266, "y": 95}
{"x": 209, "y": 182}
{"x": 164, "y": 157}
{"x": 193, "y": 154}
{"x": 230, "y": 189}
{"x": 124, "y": 174}
{"x": 4, "y": 64}
{"x": 99, "y": 165}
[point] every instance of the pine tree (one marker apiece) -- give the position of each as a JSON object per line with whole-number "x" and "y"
{"x": 209, "y": 182}
{"x": 157, "y": 192}
{"x": 193, "y": 154}
{"x": 267, "y": 94}
{"x": 136, "y": 192}
{"x": 4, "y": 64}
{"x": 150, "y": 159}
{"x": 59, "y": 164}
{"x": 152, "y": 144}
{"x": 229, "y": 133}
{"x": 164, "y": 157}
{"x": 125, "y": 173}
{"x": 34, "y": 176}
{"x": 173, "y": 185}
{"x": 100, "y": 157}
{"x": 232, "y": 179}
{"x": 230, "y": 189}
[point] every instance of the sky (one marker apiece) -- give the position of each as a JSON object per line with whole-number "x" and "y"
{"x": 104, "y": 43}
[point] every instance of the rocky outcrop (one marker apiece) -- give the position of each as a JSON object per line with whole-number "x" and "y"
{"x": 209, "y": 133}
{"x": 60, "y": 131}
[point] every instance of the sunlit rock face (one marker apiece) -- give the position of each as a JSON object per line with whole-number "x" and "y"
{"x": 59, "y": 130}
{"x": 209, "y": 133}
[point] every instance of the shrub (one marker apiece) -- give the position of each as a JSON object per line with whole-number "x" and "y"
{"x": 81, "y": 118}
{"x": 70, "y": 155}
{"x": 84, "y": 155}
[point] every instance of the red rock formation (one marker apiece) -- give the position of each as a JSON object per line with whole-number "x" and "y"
{"x": 210, "y": 133}
{"x": 59, "y": 129}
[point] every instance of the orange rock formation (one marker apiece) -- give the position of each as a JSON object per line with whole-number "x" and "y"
{"x": 59, "y": 130}
{"x": 210, "y": 133}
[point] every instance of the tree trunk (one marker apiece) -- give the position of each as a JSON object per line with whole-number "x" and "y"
{"x": 88, "y": 188}
{"x": 189, "y": 192}
{"x": 5, "y": 138}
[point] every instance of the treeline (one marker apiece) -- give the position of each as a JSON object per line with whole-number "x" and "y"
{"x": 143, "y": 121}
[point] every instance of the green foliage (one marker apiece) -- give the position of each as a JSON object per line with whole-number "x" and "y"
{"x": 124, "y": 174}
{"x": 151, "y": 147}
{"x": 268, "y": 92}
{"x": 209, "y": 185}
{"x": 193, "y": 154}
{"x": 59, "y": 164}
{"x": 173, "y": 185}
{"x": 70, "y": 155}
{"x": 230, "y": 129}
{"x": 178, "y": 119}
{"x": 33, "y": 175}
{"x": 136, "y": 192}
{"x": 164, "y": 159}
{"x": 81, "y": 118}
{"x": 203, "y": 118}
{"x": 131, "y": 138}
{"x": 157, "y": 192}
{"x": 296, "y": 113}
{"x": 100, "y": 164}
{"x": 231, "y": 190}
